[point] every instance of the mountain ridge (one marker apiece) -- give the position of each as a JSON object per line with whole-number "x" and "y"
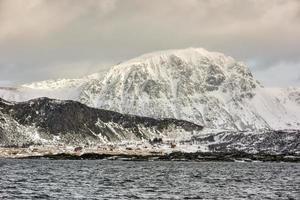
{"x": 54, "y": 121}
{"x": 192, "y": 84}
{"x": 44, "y": 126}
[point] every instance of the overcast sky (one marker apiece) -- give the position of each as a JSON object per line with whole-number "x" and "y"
{"x": 43, "y": 39}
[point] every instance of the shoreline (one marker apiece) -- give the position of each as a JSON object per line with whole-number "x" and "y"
{"x": 176, "y": 156}
{"x": 143, "y": 155}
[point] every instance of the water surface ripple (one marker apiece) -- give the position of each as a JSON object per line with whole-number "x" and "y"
{"x": 99, "y": 179}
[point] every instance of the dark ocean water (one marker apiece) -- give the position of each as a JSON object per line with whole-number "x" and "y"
{"x": 96, "y": 179}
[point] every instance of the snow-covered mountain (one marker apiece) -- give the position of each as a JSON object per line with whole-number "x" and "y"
{"x": 50, "y": 121}
{"x": 206, "y": 88}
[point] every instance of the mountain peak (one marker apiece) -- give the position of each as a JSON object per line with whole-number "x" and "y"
{"x": 181, "y": 72}
{"x": 187, "y": 55}
{"x": 193, "y": 84}
{"x": 193, "y": 65}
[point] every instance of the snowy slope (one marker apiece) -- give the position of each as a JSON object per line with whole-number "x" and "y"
{"x": 50, "y": 121}
{"x": 206, "y": 88}
{"x": 64, "y": 89}
{"x": 193, "y": 84}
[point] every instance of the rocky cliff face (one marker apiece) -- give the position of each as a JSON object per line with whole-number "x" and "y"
{"x": 48, "y": 121}
{"x": 206, "y": 88}
{"x": 203, "y": 87}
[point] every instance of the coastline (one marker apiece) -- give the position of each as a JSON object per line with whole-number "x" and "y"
{"x": 130, "y": 154}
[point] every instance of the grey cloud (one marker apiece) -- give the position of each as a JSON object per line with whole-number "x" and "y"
{"x": 87, "y": 36}
{"x": 282, "y": 74}
{"x": 5, "y": 83}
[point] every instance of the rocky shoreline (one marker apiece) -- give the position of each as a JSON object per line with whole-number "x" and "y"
{"x": 175, "y": 156}
{"x": 148, "y": 155}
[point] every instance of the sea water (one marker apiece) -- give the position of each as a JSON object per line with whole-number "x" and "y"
{"x": 104, "y": 179}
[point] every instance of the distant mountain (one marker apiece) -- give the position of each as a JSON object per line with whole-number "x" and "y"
{"x": 53, "y": 122}
{"x": 206, "y": 88}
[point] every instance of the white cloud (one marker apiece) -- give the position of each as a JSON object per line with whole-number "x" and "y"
{"x": 5, "y": 83}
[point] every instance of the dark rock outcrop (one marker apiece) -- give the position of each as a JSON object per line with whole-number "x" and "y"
{"x": 262, "y": 142}
{"x": 177, "y": 156}
{"x": 73, "y": 121}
